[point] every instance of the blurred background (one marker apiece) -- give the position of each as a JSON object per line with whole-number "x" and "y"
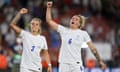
{"x": 102, "y": 24}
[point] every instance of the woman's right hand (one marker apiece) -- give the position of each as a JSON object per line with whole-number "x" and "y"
{"x": 23, "y": 11}
{"x": 49, "y": 4}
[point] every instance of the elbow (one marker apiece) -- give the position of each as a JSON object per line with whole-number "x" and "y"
{"x": 47, "y": 20}
{"x": 11, "y": 24}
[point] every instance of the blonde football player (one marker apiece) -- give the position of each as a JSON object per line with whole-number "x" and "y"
{"x": 72, "y": 39}
{"x": 34, "y": 45}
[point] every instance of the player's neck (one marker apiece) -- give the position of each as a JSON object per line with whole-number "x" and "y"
{"x": 34, "y": 33}
{"x": 73, "y": 28}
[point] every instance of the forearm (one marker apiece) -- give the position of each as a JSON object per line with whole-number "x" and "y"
{"x": 46, "y": 56}
{"x": 14, "y": 22}
{"x": 95, "y": 52}
{"x": 16, "y": 19}
{"x": 48, "y": 14}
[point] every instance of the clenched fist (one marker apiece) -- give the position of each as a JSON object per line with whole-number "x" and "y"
{"x": 23, "y": 11}
{"x": 49, "y": 4}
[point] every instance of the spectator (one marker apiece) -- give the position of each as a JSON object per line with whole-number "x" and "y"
{"x": 3, "y": 61}
{"x": 3, "y": 29}
{"x": 17, "y": 55}
{"x": 10, "y": 38}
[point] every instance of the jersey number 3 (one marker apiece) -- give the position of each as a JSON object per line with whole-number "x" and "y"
{"x": 32, "y": 49}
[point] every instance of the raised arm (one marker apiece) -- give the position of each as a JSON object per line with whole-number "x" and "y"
{"x": 49, "y": 20}
{"x": 94, "y": 51}
{"x": 16, "y": 19}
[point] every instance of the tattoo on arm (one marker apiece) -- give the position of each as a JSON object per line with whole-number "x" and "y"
{"x": 16, "y": 18}
{"x": 94, "y": 51}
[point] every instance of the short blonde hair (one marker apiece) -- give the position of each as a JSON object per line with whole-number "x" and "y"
{"x": 82, "y": 21}
{"x": 40, "y": 21}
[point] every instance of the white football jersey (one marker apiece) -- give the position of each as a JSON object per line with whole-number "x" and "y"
{"x": 32, "y": 46}
{"x": 72, "y": 40}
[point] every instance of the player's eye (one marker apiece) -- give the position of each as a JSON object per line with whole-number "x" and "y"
{"x": 36, "y": 24}
{"x": 32, "y": 23}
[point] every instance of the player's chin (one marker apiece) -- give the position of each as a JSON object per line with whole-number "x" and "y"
{"x": 33, "y": 30}
{"x": 71, "y": 25}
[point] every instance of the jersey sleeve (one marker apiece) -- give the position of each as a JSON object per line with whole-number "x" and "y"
{"x": 61, "y": 29}
{"x": 23, "y": 34}
{"x": 45, "y": 44}
{"x": 87, "y": 37}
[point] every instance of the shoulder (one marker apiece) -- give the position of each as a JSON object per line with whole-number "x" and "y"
{"x": 83, "y": 31}
{"x": 62, "y": 27}
{"x": 24, "y": 33}
{"x": 42, "y": 37}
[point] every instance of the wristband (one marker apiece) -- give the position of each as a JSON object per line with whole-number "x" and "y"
{"x": 49, "y": 64}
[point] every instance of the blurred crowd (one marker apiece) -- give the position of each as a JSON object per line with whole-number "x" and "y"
{"x": 102, "y": 24}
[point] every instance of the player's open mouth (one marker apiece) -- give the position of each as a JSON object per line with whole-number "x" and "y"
{"x": 72, "y": 22}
